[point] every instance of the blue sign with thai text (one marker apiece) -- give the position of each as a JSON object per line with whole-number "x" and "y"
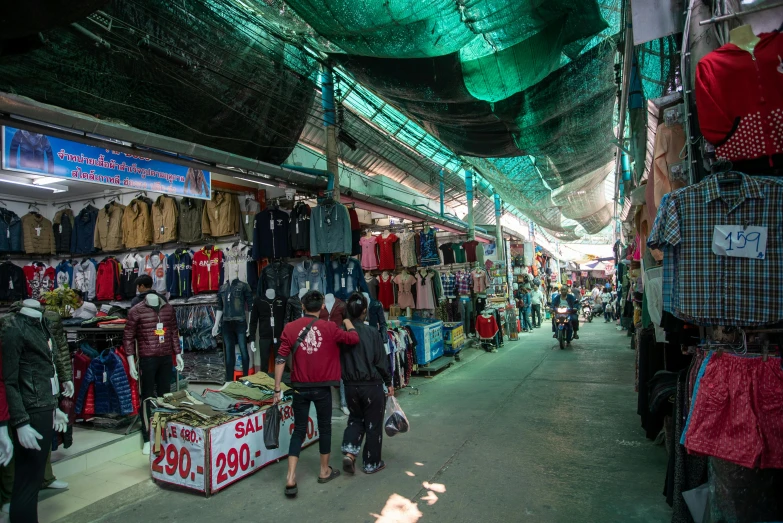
{"x": 35, "y": 153}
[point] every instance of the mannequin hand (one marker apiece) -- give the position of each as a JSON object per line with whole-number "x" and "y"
{"x": 60, "y": 421}
{"x": 68, "y": 389}
{"x": 132, "y": 366}
{"x": 6, "y": 447}
{"x": 180, "y": 363}
{"x": 215, "y": 330}
{"x": 252, "y": 346}
{"x": 247, "y": 332}
{"x": 28, "y": 437}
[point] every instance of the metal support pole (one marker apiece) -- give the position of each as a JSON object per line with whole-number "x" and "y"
{"x": 330, "y": 125}
{"x": 469, "y": 191}
{"x": 627, "y": 62}
{"x": 499, "y": 229}
{"x": 442, "y": 194}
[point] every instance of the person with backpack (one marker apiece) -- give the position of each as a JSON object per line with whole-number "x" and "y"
{"x": 365, "y": 372}
{"x": 314, "y": 347}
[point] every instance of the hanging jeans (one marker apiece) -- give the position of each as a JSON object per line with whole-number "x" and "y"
{"x": 366, "y": 404}
{"x": 466, "y": 310}
{"x": 234, "y": 334}
{"x": 536, "y": 316}
{"x": 29, "y": 469}
{"x": 155, "y": 376}
{"x": 322, "y": 398}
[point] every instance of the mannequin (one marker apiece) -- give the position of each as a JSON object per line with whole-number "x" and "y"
{"x": 266, "y": 319}
{"x": 30, "y": 371}
{"x": 151, "y": 332}
{"x": 329, "y": 302}
{"x": 234, "y": 298}
{"x": 744, "y": 38}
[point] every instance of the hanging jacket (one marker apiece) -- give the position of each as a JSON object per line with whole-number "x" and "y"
{"x": 336, "y": 315}
{"x": 235, "y": 299}
{"x": 345, "y": 277}
{"x": 63, "y": 274}
{"x": 10, "y": 231}
{"x": 107, "y": 280}
{"x": 330, "y": 230}
{"x": 248, "y": 208}
{"x": 164, "y": 219}
{"x": 84, "y": 275}
{"x": 270, "y": 239}
{"x": 310, "y": 275}
{"x": 190, "y": 211}
{"x": 29, "y": 150}
{"x": 299, "y": 230}
{"x": 13, "y": 284}
{"x": 261, "y": 316}
{"x": 83, "y": 238}
{"x": 140, "y": 329}
{"x": 276, "y": 276}
{"x": 293, "y": 309}
{"x": 37, "y": 234}
{"x": 376, "y": 318}
{"x": 28, "y": 366}
{"x": 108, "y": 227}
{"x": 136, "y": 224}
{"x": 207, "y": 270}
{"x": 221, "y": 215}
{"x": 112, "y": 389}
{"x": 129, "y": 271}
{"x": 62, "y": 227}
{"x": 39, "y": 278}
{"x": 156, "y": 265}
{"x": 178, "y": 278}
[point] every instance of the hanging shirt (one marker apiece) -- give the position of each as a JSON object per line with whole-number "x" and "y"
{"x": 156, "y": 266}
{"x": 428, "y": 248}
{"x": 463, "y": 282}
{"x": 448, "y": 254}
{"x": 369, "y": 256}
{"x": 448, "y": 281}
{"x": 470, "y": 251}
{"x": 459, "y": 253}
{"x": 487, "y": 327}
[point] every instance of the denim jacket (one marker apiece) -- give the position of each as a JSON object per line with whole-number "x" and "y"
{"x": 234, "y": 299}
{"x": 346, "y": 278}
{"x": 310, "y": 272}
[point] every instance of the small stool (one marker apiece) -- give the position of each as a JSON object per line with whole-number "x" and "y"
{"x": 238, "y": 373}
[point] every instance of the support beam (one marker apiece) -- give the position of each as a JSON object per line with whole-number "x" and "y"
{"x": 442, "y": 194}
{"x": 469, "y": 192}
{"x": 498, "y": 229}
{"x": 330, "y": 126}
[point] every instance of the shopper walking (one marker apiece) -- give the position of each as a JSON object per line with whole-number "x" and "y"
{"x": 523, "y": 305}
{"x": 536, "y": 302}
{"x": 607, "y": 300}
{"x": 315, "y": 369}
{"x": 365, "y": 370}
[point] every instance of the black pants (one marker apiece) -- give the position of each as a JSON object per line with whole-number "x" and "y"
{"x": 29, "y": 470}
{"x": 366, "y": 404}
{"x": 536, "y": 316}
{"x": 322, "y": 398}
{"x": 155, "y": 377}
{"x": 265, "y": 349}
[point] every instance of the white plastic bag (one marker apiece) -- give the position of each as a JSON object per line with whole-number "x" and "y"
{"x": 396, "y": 421}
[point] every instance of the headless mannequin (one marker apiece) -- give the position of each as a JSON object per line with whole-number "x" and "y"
{"x": 744, "y": 38}
{"x": 270, "y": 295}
{"x": 385, "y": 275}
{"x": 329, "y": 302}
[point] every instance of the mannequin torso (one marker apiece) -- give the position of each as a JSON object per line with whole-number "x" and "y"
{"x": 744, "y": 38}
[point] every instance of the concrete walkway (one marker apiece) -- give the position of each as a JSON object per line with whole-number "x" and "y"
{"x": 531, "y": 433}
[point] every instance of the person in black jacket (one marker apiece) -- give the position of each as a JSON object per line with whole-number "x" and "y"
{"x": 365, "y": 372}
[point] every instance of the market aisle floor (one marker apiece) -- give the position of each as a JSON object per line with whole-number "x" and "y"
{"x": 531, "y": 433}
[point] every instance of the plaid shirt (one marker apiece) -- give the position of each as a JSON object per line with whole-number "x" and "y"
{"x": 670, "y": 254}
{"x": 448, "y": 282}
{"x": 713, "y": 289}
{"x": 464, "y": 281}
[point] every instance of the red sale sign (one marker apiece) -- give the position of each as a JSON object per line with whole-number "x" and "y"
{"x": 237, "y": 447}
{"x": 181, "y": 460}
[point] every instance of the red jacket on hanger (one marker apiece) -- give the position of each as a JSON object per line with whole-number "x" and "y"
{"x": 207, "y": 269}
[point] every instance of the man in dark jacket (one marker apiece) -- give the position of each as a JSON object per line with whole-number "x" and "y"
{"x": 152, "y": 335}
{"x": 143, "y": 287}
{"x": 315, "y": 369}
{"x": 365, "y": 372}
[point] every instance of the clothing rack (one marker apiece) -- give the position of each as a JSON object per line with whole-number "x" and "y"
{"x": 723, "y": 18}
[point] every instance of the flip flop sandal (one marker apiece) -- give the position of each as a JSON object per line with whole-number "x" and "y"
{"x": 291, "y": 492}
{"x": 332, "y": 475}
{"x": 380, "y": 468}
{"x": 349, "y": 464}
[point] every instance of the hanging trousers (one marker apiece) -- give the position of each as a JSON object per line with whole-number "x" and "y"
{"x": 366, "y": 404}
{"x": 29, "y": 470}
{"x": 234, "y": 334}
{"x": 453, "y": 309}
{"x": 155, "y": 382}
{"x": 266, "y": 348}
{"x": 466, "y": 311}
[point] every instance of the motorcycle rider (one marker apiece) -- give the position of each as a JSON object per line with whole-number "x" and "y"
{"x": 570, "y": 300}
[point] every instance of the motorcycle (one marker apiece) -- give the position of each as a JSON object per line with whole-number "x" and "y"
{"x": 563, "y": 323}
{"x": 587, "y": 309}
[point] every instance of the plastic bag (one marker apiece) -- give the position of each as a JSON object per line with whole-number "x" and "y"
{"x": 396, "y": 421}
{"x": 272, "y": 420}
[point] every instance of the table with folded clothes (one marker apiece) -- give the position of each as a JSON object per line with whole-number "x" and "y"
{"x": 221, "y": 425}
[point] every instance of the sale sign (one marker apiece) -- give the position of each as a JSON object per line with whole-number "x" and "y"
{"x": 237, "y": 447}
{"x": 181, "y": 460}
